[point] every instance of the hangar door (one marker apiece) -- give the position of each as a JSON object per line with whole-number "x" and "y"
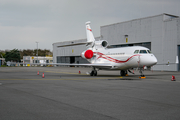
{"x": 72, "y": 59}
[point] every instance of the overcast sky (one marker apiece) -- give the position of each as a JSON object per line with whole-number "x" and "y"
{"x": 25, "y": 22}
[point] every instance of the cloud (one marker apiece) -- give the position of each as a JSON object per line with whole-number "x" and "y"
{"x": 22, "y": 22}
{"x": 21, "y": 37}
{"x": 24, "y": 2}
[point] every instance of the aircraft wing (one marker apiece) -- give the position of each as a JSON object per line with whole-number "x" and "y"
{"x": 88, "y": 64}
{"x": 98, "y": 65}
{"x": 168, "y": 62}
{"x": 165, "y": 63}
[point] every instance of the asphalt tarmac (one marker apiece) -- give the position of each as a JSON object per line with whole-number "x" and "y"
{"x": 64, "y": 94}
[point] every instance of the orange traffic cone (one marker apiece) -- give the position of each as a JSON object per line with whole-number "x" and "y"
{"x": 79, "y": 72}
{"x": 173, "y": 78}
{"x": 38, "y": 73}
{"x": 43, "y": 75}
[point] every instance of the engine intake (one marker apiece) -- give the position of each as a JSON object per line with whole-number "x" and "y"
{"x": 101, "y": 44}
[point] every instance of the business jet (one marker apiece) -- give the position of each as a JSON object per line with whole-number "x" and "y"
{"x": 124, "y": 58}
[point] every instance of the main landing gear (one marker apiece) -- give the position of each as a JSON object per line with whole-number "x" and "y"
{"x": 93, "y": 72}
{"x": 123, "y": 72}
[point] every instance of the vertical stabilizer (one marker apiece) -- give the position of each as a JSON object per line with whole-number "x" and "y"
{"x": 90, "y": 36}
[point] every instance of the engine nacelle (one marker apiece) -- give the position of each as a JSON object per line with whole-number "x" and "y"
{"x": 101, "y": 44}
{"x": 88, "y": 54}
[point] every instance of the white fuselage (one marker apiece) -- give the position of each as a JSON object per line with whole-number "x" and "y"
{"x": 117, "y": 58}
{"x": 123, "y": 58}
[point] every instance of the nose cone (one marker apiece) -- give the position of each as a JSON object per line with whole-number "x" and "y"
{"x": 154, "y": 60}
{"x": 148, "y": 60}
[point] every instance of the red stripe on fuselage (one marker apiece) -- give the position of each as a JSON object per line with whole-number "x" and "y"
{"x": 101, "y": 55}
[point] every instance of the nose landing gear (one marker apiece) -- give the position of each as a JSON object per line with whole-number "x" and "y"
{"x": 142, "y": 76}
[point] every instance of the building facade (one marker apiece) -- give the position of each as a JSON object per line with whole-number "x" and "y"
{"x": 160, "y": 33}
{"x": 27, "y": 60}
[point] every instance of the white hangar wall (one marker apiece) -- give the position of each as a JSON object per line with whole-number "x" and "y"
{"x": 161, "y": 31}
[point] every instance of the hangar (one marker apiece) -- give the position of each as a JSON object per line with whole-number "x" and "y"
{"x": 159, "y": 33}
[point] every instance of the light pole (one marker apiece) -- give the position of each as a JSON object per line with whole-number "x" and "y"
{"x": 37, "y": 51}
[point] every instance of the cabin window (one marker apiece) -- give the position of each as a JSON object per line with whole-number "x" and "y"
{"x": 143, "y": 51}
{"x": 136, "y": 51}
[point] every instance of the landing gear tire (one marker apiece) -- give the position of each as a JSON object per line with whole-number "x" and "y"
{"x": 141, "y": 72}
{"x": 123, "y": 72}
{"x": 93, "y": 72}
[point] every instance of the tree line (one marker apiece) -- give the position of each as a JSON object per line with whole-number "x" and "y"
{"x": 16, "y": 55}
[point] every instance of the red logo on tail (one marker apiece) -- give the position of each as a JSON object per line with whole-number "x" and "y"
{"x": 89, "y": 29}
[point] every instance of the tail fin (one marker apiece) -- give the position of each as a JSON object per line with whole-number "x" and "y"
{"x": 90, "y": 36}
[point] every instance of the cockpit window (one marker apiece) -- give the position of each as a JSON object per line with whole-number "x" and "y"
{"x": 149, "y": 51}
{"x": 136, "y": 51}
{"x": 143, "y": 51}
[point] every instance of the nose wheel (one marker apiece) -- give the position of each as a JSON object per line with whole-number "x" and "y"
{"x": 142, "y": 76}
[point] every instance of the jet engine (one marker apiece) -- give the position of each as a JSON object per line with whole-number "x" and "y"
{"x": 101, "y": 44}
{"x": 88, "y": 54}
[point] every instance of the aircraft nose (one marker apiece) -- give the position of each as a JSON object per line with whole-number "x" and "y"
{"x": 154, "y": 60}
{"x": 148, "y": 60}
